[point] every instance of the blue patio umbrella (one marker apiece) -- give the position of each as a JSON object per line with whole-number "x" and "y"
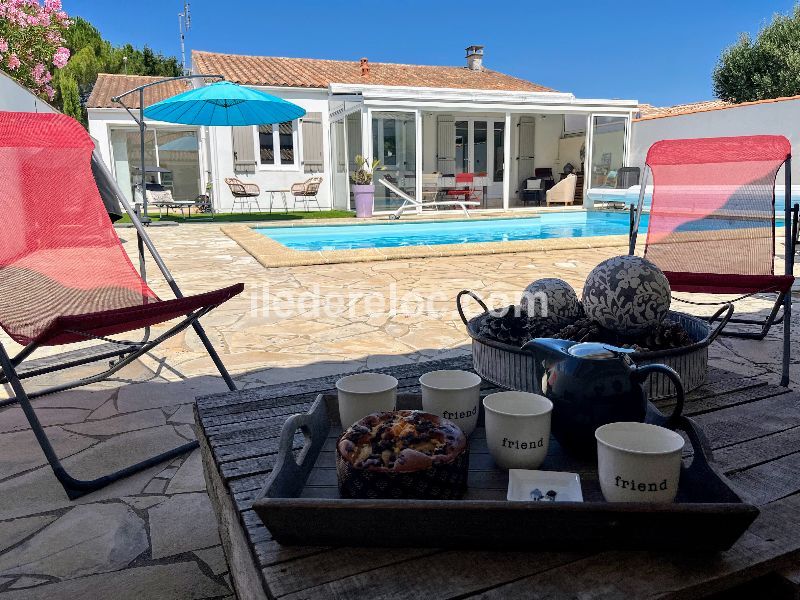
{"x": 224, "y": 103}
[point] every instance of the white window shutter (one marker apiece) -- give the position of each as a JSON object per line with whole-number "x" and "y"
{"x": 244, "y": 149}
{"x": 527, "y": 141}
{"x": 446, "y": 144}
{"x": 311, "y": 129}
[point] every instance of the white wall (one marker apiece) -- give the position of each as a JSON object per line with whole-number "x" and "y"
{"x": 765, "y": 118}
{"x": 548, "y": 133}
{"x": 15, "y": 97}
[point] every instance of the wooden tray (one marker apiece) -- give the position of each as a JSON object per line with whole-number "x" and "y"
{"x": 300, "y": 503}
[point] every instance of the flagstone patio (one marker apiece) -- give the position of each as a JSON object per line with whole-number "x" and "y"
{"x": 154, "y": 535}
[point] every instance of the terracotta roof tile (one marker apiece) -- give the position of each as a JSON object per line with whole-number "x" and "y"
{"x": 107, "y": 86}
{"x": 648, "y": 111}
{"x": 317, "y": 73}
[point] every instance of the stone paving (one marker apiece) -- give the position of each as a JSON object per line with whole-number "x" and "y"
{"x": 154, "y": 535}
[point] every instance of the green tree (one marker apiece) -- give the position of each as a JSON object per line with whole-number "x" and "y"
{"x": 91, "y": 54}
{"x": 767, "y": 67}
{"x": 70, "y": 98}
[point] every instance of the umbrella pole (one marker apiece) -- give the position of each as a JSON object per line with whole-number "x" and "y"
{"x": 142, "y": 127}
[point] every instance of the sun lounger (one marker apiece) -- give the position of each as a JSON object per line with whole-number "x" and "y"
{"x": 410, "y": 203}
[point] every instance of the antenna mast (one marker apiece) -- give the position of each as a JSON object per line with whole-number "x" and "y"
{"x": 184, "y": 23}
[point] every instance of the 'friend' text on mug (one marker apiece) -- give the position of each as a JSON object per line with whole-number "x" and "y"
{"x": 517, "y": 445}
{"x": 463, "y": 414}
{"x": 640, "y": 487}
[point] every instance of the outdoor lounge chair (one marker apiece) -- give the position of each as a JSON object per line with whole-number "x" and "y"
{"x": 65, "y": 276}
{"x": 712, "y": 222}
{"x": 244, "y": 193}
{"x": 160, "y": 196}
{"x": 465, "y": 188}
{"x": 307, "y": 190}
{"x": 410, "y": 203}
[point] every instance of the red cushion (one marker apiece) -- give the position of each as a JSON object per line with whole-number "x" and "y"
{"x": 716, "y": 283}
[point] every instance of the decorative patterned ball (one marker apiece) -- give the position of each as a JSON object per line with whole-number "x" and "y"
{"x": 626, "y": 294}
{"x": 552, "y": 300}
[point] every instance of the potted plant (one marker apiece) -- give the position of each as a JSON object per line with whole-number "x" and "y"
{"x": 363, "y": 188}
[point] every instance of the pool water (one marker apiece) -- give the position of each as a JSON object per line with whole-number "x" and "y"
{"x": 573, "y": 224}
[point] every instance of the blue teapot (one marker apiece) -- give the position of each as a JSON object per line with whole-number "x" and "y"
{"x": 591, "y": 384}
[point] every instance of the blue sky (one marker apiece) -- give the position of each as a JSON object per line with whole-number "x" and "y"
{"x": 657, "y": 52}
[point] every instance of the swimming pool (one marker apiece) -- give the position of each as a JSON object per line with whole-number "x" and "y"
{"x": 417, "y": 233}
{"x": 571, "y": 224}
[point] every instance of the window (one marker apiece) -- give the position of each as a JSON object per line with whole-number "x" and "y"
{"x": 394, "y": 144}
{"x": 266, "y": 144}
{"x": 175, "y": 151}
{"x": 479, "y": 147}
{"x": 499, "y": 150}
{"x": 608, "y": 150}
{"x": 276, "y": 144}
{"x": 462, "y": 148}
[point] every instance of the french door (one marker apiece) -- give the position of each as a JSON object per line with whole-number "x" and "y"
{"x": 479, "y": 150}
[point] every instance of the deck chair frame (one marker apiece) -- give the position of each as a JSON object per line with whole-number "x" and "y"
{"x": 782, "y": 308}
{"x": 121, "y": 354}
{"x": 410, "y": 203}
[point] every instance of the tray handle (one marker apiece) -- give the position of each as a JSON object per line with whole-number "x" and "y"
{"x": 726, "y": 308}
{"x": 289, "y": 473}
{"x": 472, "y": 295}
{"x": 703, "y": 468}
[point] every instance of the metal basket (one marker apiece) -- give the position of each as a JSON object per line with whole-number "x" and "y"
{"x": 509, "y": 367}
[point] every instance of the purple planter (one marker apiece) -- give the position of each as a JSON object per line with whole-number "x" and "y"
{"x": 364, "y": 196}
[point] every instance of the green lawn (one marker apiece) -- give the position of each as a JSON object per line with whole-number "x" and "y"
{"x": 240, "y": 217}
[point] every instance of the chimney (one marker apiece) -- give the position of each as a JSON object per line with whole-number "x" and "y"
{"x": 364, "y": 67}
{"x": 475, "y": 58}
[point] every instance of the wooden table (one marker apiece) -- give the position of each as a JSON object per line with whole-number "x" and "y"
{"x": 753, "y": 426}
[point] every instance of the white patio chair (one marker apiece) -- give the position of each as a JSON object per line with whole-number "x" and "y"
{"x": 430, "y": 187}
{"x": 410, "y": 203}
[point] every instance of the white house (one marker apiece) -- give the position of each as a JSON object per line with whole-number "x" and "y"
{"x": 425, "y": 124}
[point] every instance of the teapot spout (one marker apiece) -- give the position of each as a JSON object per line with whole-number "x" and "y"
{"x": 550, "y": 347}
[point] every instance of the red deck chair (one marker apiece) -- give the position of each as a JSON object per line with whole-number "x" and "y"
{"x": 712, "y": 221}
{"x": 65, "y": 277}
{"x": 466, "y": 183}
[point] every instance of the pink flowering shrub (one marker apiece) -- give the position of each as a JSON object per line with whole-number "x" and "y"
{"x": 31, "y": 41}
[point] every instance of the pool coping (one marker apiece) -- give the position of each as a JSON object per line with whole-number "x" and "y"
{"x": 271, "y": 253}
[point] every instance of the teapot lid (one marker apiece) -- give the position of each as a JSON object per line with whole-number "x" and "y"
{"x": 597, "y": 351}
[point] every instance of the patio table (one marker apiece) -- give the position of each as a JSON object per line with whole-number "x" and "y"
{"x": 751, "y": 423}
{"x": 282, "y": 192}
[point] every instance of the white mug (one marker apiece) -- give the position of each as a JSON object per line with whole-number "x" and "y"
{"x": 517, "y": 428}
{"x": 363, "y": 394}
{"x": 638, "y": 462}
{"x": 453, "y": 395}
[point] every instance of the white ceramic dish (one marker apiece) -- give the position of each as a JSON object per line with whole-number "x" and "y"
{"x": 525, "y": 486}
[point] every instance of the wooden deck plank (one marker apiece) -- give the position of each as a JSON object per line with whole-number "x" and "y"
{"x": 445, "y": 575}
{"x": 663, "y": 575}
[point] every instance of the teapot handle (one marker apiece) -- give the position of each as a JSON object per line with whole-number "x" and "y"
{"x": 645, "y": 370}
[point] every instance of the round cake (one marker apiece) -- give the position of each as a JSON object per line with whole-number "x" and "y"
{"x": 402, "y": 454}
